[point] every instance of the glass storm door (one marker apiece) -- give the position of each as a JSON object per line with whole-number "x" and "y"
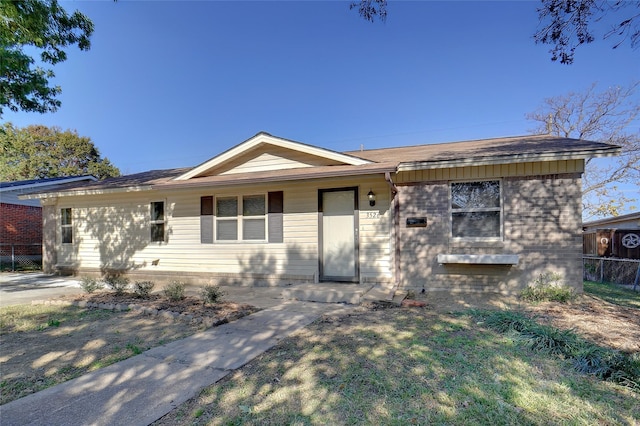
{"x": 338, "y": 234}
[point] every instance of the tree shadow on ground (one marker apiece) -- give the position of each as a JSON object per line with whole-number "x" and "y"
{"x": 405, "y": 367}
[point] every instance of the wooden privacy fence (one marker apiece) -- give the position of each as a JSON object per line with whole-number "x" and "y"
{"x": 20, "y": 257}
{"x": 611, "y": 270}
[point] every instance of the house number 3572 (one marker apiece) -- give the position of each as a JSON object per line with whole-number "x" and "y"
{"x": 373, "y": 215}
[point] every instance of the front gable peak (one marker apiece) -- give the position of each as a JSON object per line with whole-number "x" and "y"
{"x": 266, "y": 152}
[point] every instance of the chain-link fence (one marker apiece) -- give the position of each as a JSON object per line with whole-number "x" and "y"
{"x": 20, "y": 257}
{"x": 611, "y": 270}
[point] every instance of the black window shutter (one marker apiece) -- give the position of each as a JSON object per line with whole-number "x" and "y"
{"x": 206, "y": 220}
{"x": 276, "y": 209}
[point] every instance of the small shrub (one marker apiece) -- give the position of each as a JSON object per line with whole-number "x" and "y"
{"x": 143, "y": 288}
{"x": 544, "y": 338}
{"x": 211, "y": 294}
{"x": 507, "y": 321}
{"x": 90, "y": 285}
{"x": 117, "y": 283}
{"x": 587, "y": 358}
{"x": 174, "y": 291}
{"x": 547, "y": 287}
{"x": 135, "y": 349}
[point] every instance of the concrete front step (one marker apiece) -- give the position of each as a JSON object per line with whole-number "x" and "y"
{"x": 327, "y": 292}
{"x": 380, "y": 293}
{"x": 344, "y": 293}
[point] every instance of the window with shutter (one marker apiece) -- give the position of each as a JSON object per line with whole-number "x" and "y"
{"x": 256, "y": 217}
{"x": 206, "y": 220}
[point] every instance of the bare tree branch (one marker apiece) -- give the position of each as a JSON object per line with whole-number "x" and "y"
{"x": 568, "y": 24}
{"x": 605, "y": 116}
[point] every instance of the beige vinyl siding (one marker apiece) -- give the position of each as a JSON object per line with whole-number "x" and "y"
{"x": 112, "y": 231}
{"x": 492, "y": 171}
{"x": 270, "y": 158}
{"x": 107, "y": 232}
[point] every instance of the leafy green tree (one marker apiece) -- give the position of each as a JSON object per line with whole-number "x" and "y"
{"x": 43, "y": 26}
{"x": 36, "y": 152}
{"x": 603, "y": 116}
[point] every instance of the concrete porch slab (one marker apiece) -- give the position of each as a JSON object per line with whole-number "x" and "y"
{"x": 327, "y": 292}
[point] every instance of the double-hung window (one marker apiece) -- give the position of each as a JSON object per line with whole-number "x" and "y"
{"x": 157, "y": 221}
{"x": 66, "y": 226}
{"x": 241, "y": 218}
{"x": 252, "y": 218}
{"x": 254, "y": 209}
{"x": 476, "y": 210}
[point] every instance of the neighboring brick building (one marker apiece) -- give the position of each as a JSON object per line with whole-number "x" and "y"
{"x": 21, "y": 220}
{"x": 20, "y": 224}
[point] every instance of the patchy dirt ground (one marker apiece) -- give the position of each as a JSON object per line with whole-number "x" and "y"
{"x": 75, "y": 341}
{"x": 599, "y": 321}
{"x": 595, "y": 319}
{"x": 31, "y": 361}
{"x": 193, "y": 306}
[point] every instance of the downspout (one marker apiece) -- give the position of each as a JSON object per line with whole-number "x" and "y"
{"x": 396, "y": 227}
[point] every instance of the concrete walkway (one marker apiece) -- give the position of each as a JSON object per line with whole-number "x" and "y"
{"x": 141, "y": 389}
{"x": 21, "y": 288}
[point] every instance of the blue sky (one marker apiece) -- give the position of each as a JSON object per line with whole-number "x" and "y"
{"x": 171, "y": 84}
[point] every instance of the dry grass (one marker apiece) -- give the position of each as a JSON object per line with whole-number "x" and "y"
{"x": 407, "y": 366}
{"x": 43, "y": 345}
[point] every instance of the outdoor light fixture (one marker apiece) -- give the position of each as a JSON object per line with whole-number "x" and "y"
{"x": 372, "y": 198}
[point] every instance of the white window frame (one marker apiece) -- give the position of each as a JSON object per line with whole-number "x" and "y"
{"x": 64, "y": 226}
{"x": 240, "y": 218}
{"x": 499, "y": 209}
{"x": 162, "y": 222}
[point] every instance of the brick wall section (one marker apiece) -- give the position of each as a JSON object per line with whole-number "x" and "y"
{"x": 20, "y": 224}
{"x": 542, "y": 224}
{"x": 420, "y": 246}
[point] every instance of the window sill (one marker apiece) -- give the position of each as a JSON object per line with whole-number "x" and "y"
{"x": 479, "y": 259}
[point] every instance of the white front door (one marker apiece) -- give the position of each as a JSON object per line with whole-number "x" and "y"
{"x": 339, "y": 234}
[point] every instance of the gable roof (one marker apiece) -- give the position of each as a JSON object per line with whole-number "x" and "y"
{"x": 351, "y": 163}
{"x": 263, "y": 138}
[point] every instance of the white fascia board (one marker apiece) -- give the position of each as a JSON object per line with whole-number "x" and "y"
{"x": 40, "y": 184}
{"x": 506, "y": 159}
{"x": 59, "y": 194}
{"x": 263, "y": 138}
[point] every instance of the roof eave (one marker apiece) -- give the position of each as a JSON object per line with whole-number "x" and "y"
{"x": 58, "y": 194}
{"x": 513, "y": 158}
{"x": 237, "y": 181}
{"x": 52, "y": 183}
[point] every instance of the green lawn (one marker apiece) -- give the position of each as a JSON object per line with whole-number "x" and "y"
{"x": 403, "y": 367}
{"x": 614, "y": 294}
